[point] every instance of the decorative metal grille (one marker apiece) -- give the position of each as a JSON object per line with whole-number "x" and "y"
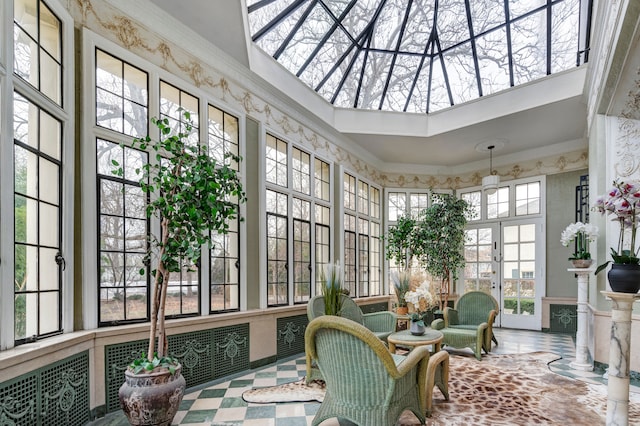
{"x": 231, "y": 353}
{"x": 290, "y": 338}
{"x": 65, "y": 391}
{"x": 19, "y": 400}
{"x": 116, "y": 359}
{"x": 563, "y": 319}
{"x": 57, "y": 394}
{"x": 193, "y": 350}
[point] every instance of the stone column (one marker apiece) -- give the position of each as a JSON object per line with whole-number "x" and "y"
{"x": 619, "y": 350}
{"x": 582, "y": 333}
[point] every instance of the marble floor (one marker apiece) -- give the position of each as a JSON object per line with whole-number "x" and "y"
{"x": 221, "y": 403}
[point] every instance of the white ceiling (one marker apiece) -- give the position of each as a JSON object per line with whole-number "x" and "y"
{"x": 555, "y": 121}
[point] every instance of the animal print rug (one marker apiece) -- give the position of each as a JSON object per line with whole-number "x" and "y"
{"x": 499, "y": 390}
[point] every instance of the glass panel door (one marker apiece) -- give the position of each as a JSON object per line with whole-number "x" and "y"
{"x": 482, "y": 269}
{"x": 522, "y": 272}
{"x": 506, "y": 260}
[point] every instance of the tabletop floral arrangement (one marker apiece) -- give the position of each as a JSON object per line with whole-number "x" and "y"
{"x": 421, "y": 298}
{"x": 623, "y": 203}
{"x": 582, "y": 234}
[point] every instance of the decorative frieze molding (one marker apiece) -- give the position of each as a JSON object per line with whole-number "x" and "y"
{"x": 576, "y": 160}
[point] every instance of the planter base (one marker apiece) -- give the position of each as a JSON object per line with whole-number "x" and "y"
{"x": 624, "y": 278}
{"x": 152, "y": 399}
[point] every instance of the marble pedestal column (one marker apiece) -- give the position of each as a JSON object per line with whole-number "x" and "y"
{"x": 582, "y": 351}
{"x": 619, "y": 351}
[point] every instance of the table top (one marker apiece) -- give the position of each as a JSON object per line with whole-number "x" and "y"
{"x": 405, "y": 337}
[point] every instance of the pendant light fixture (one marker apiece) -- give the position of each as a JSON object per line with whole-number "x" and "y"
{"x": 490, "y": 183}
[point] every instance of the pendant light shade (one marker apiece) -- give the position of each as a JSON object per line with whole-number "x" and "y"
{"x": 490, "y": 183}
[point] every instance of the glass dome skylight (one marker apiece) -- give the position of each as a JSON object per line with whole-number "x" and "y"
{"x": 416, "y": 55}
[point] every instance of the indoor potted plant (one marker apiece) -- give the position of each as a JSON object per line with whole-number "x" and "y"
{"x": 194, "y": 198}
{"x": 441, "y": 232}
{"x": 623, "y": 203}
{"x": 401, "y": 284}
{"x": 582, "y": 234}
{"x": 331, "y": 287}
{"x": 422, "y": 301}
{"x": 401, "y": 245}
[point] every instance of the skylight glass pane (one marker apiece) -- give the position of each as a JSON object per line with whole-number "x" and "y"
{"x": 419, "y": 96}
{"x": 337, "y": 7}
{"x": 419, "y": 27}
{"x": 439, "y": 94}
{"x": 528, "y": 40}
{"x": 461, "y": 73}
{"x": 359, "y": 16}
{"x": 329, "y": 88}
{"x": 347, "y": 94}
{"x": 493, "y": 61}
{"x": 266, "y": 14}
{"x": 274, "y": 38}
{"x": 486, "y": 15}
{"x": 564, "y": 35}
{"x": 520, "y": 7}
{"x": 403, "y": 74}
{"x": 453, "y": 27}
{"x": 388, "y": 24}
{"x": 306, "y": 39}
{"x": 325, "y": 59}
{"x": 375, "y": 76}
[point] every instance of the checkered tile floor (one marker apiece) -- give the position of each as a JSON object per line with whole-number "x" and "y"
{"x": 218, "y": 404}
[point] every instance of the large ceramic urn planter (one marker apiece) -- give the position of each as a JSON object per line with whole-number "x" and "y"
{"x": 624, "y": 278}
{"x": 152, "y": 398}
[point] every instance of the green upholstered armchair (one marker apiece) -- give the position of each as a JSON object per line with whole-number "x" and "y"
{"x": 382, "y": 324}
{"x": 470, "y": 324}
{"x": 365, "y": 383}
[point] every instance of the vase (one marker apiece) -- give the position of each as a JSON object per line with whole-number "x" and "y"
{"x": 152, "y": 398}
{"x": 416, "y": 328}
{"x": 581, "y": 263}
{"x": 624, "y": 278}
{"x": 402, "y": 310}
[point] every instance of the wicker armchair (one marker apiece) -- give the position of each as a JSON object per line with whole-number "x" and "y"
{"x": 470, "y": 324}
{"x": 382, "y": 324}
{"x": 365, "y": 383}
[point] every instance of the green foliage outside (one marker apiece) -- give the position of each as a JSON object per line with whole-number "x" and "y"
{"x": 527, "y": 306}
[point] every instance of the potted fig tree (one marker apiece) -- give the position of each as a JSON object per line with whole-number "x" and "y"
{"x": 441, "y": 231}
{"x": 194, "y": 197}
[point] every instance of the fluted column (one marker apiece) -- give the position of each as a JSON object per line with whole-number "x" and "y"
{"x": 582, "y": 333}
{"x": 619, "y": 351}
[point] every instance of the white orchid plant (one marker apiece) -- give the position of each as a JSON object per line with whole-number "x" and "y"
{"x": 422, "y": 299}
{"x": 582, "y": 234}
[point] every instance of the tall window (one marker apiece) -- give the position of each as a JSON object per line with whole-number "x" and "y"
{"x": 37, "y": 210}
{"x": 38, "y": 160}
{"x": 323, "y": 242}
{"x": 123, "y": 270}
{"x": 277, "y": 246}
{"x": 362, "y": 249}
{"x": 301, "y": 250}
{"x": 123, "y": 229}
{"x": 298, "y": 221}
{"x": 224, "y": 278}
{"x": 183, "y": 289}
